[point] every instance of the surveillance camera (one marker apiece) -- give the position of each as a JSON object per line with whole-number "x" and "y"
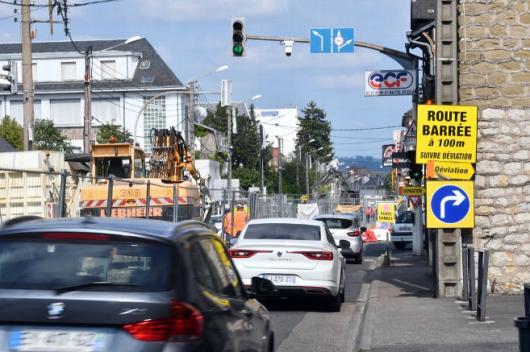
{"x": 288, "y": 47}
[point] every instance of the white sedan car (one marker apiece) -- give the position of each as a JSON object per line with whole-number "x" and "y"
{"x": 299, "y": 256}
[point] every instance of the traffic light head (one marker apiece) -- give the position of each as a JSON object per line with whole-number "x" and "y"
{"x": 238, "y": 37}
{"x": 11, "y": 69}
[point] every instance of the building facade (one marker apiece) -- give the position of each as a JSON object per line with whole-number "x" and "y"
{"x": 282, "y": 124}
{"x": 494, "y": 64}
{"x": 125, "y": 76}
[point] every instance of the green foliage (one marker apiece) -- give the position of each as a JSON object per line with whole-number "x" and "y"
{"x": 107, "y": 130}
{"x": 313, "y": 125}
{"x": 12, "y": 132}
{"x": 49, "y": 137}
{"x": 200, "y": 132}
{"x": 247, "y": 177}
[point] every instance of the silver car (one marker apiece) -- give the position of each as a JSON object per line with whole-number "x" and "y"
{"x": 346, "y": 227}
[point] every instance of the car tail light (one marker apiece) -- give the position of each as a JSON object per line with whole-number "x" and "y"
{"x": 355, "y": 233}
{"x": 244, "y": 253}
{"x": 186, "y": 323}
{"x": 316, "y": 255}
{"x": 75, "y": 236}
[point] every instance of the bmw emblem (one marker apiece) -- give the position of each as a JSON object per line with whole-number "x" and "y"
{"x": 55, "y": 310}
{"x": 279, "y": 254}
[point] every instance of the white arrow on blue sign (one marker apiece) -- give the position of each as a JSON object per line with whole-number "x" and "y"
{"x": 331, "y": 40}
{"x": 450, "y": 204}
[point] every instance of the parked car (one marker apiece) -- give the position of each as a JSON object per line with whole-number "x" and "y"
{"x": 110, "y": 285}
{"x": 402, "y": 230}
{"x": 299, "y": 256}
{"x": 346, "y": 227}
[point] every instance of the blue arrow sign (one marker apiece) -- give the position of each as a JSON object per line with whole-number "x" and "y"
{"x": 450, "y": 204}
{"x": 331, "y": 40}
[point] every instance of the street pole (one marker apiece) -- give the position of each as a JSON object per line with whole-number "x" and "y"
{"x": 279, "y": 165}
{"x": 298, "y": 166}
{"x": 307, "y": 174}
{"x": 27, "y": 75}
{"x": 229, "y": 181}
{"x": 87, "y": 121}
{"x": 190, "y": 118}
{"x": 261, "y": 161}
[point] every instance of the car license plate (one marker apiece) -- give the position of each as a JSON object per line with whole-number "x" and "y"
{"x": 280, "y": 279}
{"x": 55, "y": 341}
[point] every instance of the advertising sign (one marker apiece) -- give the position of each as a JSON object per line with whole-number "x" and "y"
{"x": 450, "y": 204}
{"x": 386, "y": 212}
{"x": 388, "y": 150}
{"x": 446, "y": 133}
{"x": 389, "y": 82}
{"x": 400, "y": 161}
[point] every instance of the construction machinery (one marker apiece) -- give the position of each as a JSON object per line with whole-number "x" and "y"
{"x": 169, "y": 188}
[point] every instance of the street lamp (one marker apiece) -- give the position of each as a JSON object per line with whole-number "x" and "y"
{"x": 307, "y": 155}
{"x": 191, "y": 91}
{"x": 87, "y": 119}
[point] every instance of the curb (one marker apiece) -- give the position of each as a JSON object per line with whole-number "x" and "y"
{"x": 362, "y": 334}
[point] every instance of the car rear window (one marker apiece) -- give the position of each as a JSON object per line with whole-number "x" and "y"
{"x": 334, "y": 223}
{"x": 283, "y": 232}
{"x": 405, "y": 218}
{"x": 52, "y": 264}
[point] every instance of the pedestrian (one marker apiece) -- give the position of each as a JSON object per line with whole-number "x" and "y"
{"x": 240, "y": 221}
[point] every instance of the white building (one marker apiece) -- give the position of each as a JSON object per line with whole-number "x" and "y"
{"x": 124, "y": 79}
{"x": 281, "y": 123}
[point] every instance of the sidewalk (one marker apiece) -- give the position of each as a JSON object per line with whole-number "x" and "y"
{"x": 403, "y": 316}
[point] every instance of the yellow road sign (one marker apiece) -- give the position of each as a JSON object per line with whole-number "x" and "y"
{"x": 446, "y": 133}
{"x": 386, "y": 212}
{"x": 449, "y": 171}
{"x": 450, "y": 204}
{"x": 411, "y": 191}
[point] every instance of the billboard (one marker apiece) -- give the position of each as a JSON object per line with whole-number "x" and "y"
{"x": 390, "y": 83}
{"x": 388, "y": 150}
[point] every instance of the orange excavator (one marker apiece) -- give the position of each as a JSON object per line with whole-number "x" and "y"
{"x": 139, "y": 192}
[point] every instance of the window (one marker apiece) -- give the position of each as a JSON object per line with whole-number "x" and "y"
{"x": 108, "y": 69}
{"x": 16, "y": 110}
{"x": 65, "y": 112}
{"x": 330, "y": 237}
{"x": 68, "y": 71}
{"x": 154, "y": 117}
{"x": 283, "y": 232}
{"x": 221, "y": 277}
{"x": 335, "y": 223}
{"x": 405, "y": 218}
{"x": 106, "y": 111}
{"x": 34, "y": 72}
{"x": 50, "y": 264}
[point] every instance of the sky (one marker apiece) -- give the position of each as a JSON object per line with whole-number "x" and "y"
{"x": 194, "y": 38}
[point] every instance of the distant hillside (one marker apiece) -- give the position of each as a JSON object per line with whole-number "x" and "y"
{"x": 368, "y": 162}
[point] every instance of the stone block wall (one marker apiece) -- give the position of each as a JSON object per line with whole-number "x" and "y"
{"x": 494, "y": 73}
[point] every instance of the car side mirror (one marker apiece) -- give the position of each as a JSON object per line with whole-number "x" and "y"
{"x": 262, "y": 287}
{"x": 343, "y": 244}
{"x": 363, "y": 229}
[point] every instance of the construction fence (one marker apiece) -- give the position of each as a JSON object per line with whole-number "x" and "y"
{"x": 51, "y": 194}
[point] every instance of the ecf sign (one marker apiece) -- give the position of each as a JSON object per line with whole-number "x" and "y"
{"x": 390, "y": 82}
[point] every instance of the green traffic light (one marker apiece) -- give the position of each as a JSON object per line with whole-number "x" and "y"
{"x": 237, "y": 49}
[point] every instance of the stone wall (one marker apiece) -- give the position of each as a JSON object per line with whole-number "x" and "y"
{"x": 494, "y": 64}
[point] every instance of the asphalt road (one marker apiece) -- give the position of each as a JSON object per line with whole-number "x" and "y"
{"x": 304, "y": 326}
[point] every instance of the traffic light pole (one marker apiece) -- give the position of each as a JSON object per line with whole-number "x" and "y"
{"x": 27, "y": 75}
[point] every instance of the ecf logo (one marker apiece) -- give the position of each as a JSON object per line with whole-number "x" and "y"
{"x": 390, "y": 80}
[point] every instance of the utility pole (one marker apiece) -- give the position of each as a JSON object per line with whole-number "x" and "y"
{"x": 298, "y": 157}
{"x": 27, "y": 75}
{"x": 279, "y": 165}
{"x": 261, "y": 161}
{"x": 229, "y": 181}
{"x": 87, "y": 121}
{"x": 190, "y": 118}
{"x": 307, "y": 174}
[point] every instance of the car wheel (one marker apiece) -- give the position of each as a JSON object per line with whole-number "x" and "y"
{"x": 343, "y": 295}
{"x": 359, "y": 259}
{"x": 334, "y": 303}
{"x": 271, "y": 343}
{"x": 400, "y": 245}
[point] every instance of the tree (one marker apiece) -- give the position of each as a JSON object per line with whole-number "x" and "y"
{"x": 313, "y": 125}
{"x": 247, "y": 177}
{"x": 12, "y": 132}
{"x": 108, "y": 130}
{"x": 49, "y": 137}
